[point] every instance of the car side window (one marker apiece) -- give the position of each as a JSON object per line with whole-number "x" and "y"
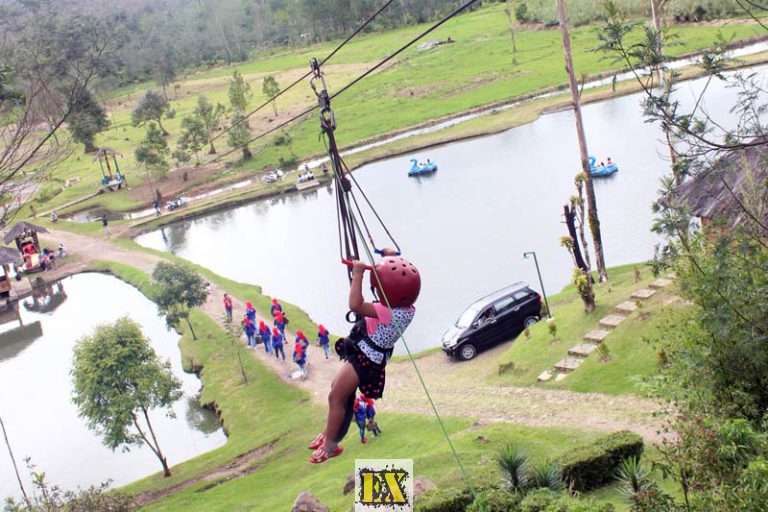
{"x": 485, "y": 317}
{"x": 521, "y": 296}
{"x": 504, "y": 304}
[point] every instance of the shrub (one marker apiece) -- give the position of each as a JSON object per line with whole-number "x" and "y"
{"x": 547, "y": 476}
{"x": 48, "y": 192}
{"x": 496, "y": 500}
{"x": 514, "y": 467}
{"x": 444, "y": 500}
{"x": 594, "y": 465}
{"x": 633, "y": 477}
{"x": 539, "y": 500}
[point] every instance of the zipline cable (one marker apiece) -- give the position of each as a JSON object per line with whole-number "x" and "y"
{"x": 308, "y": 73}
{"x": 349, "y": 85}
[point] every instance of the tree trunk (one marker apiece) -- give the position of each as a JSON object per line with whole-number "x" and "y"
{"x": 15, "y": 467}
{"x": 156, "y": 447}
{"x": 511, "y": 30}
{"x": 594, "y": 221}
{"x": 274, "y": 107}
{"x": 570, "y": 221}
{"x": 247, "y": 155}
{"x": 212, "y": 151}
{"x": 90, "y": 147}
{"x": 191, "y": 329}
{"x": 162, "y": 128}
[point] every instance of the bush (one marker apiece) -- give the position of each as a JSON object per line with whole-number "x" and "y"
{"x": 496, "y": 500}
{"x": 48, "y": 192}
{"x": 444, "y": 500}
{"x": 594, "y": 465}
{"x": 539, "y": 500}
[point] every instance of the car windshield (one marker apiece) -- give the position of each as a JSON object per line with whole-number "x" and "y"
{"x": 466, "y": 318}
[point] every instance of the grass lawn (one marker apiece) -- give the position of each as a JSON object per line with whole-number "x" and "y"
{"x": 632, "y": 357}
{"x": 269, "y": 412}
{"x": 478, "y": 69}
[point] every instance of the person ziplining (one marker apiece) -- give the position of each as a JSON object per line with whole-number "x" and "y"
{"x": 395, "y": 283}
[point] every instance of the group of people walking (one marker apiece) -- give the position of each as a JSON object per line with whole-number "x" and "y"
{"x": 274, "y": 338}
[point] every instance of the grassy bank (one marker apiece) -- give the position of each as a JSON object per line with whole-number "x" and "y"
{"x": 273, "y": 421}
{"x": 632, "y": 358}
{"x": 478, "y": 69}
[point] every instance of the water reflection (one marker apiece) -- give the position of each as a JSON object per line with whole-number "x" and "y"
{"x": 35, "y": 358}
{"x": 467, "y": 226}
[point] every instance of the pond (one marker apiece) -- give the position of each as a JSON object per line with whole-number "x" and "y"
{"x": 35, "y": 403}
{"x": 466, "y": 227}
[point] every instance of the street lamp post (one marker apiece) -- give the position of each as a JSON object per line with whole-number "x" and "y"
{"x": 541, "y": 282}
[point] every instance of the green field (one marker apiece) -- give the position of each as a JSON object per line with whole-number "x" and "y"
{"x": 418, "y": 86}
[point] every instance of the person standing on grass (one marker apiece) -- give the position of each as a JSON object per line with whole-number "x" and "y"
{"x": 360, "y": 417}
{"x": 277, "y": 343}
{"x": 323, "y": 340}
{"x": 370, "y": 414}
{"x": 250, "y": 332}
{"x": 300, "y": 358}
{"x": 228, "y": 306}
{"x": 266, "y": 336}
{"x": 105, "y": 224}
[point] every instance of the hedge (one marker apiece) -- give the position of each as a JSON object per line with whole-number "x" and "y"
{"x": 496, "y": 500}
{"x": 592, "y": 466}
{"x": 444, "y": 500}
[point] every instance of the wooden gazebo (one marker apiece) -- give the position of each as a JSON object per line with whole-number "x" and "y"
{"x": 111, "y": 177}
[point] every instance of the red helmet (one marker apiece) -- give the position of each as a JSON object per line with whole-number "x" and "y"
{"x": 400, "y": 281}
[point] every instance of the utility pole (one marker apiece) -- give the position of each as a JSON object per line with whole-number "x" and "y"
{"x": 594, "y": 221}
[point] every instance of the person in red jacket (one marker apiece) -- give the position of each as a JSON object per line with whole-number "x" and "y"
{"x": 228, "y": 306}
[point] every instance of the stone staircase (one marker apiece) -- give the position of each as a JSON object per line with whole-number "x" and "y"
{"x": 592, "y": 340}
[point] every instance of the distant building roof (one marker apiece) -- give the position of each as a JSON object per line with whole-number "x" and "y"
{"x": 736, "y": 180}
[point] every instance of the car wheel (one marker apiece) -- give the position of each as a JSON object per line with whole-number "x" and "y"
{"x": 530, "y": 321}
{"x": 467, "y": 352}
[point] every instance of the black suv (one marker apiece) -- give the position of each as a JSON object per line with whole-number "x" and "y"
{"x": 494, "y": 318}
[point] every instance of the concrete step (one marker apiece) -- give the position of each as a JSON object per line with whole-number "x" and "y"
{"x": 596, "y": 335}
{"x": 626, "y": 307}
{"x": 568, "y": 364}
{"x": 660, "y": 283}
{"x": 645, "y": 293}
{"x": 611, "y": 321}
{"x": 582, "y": 350}
{"x": 545, "y": 376}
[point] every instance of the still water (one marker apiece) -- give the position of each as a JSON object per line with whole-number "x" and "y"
{"x": 466, "y": 227}
{"x": 42, "y": 422}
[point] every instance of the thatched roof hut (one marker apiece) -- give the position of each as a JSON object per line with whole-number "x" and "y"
{"x": 735, "y": 182}
{"x": 19, "y": 228}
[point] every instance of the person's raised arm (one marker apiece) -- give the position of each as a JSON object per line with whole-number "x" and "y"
{"x": 356, "y": 301}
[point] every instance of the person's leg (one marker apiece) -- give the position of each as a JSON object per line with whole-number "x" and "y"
{"x": 277, "y": 356}
{"x": 361, "y": 426}
{"x": 327, "y": 350}
{"x": 340, "y": 402}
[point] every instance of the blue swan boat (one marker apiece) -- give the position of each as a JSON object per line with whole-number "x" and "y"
{"x": 598, "y": 172}
{"x": 419, "y": 169}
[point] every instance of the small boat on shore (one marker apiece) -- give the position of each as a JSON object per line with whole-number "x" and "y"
{"x": 599, "y": 171}
{"x": 418, "y": 169}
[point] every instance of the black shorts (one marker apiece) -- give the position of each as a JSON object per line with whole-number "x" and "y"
{"x": 372, "y": 375}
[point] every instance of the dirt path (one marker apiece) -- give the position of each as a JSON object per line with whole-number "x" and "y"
{"x": 460, "y": 389}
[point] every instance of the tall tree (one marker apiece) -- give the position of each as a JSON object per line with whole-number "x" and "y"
{"x": 240, "y": 93}
{"x": 87, "y": 120}
{"x": 270, "y": 88}
{"x": 193, "y": 135}
{"x": 50, "y": 58}
{"x": 178, "y": 289}
{"x": 153, "y": 152}
{"x": 151, "y": 107}
{"x": 239, "y": 134}
{"x": 594, "y": 221}
{"x": 211, "y": 116}
{"x": 117, "y": 379}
